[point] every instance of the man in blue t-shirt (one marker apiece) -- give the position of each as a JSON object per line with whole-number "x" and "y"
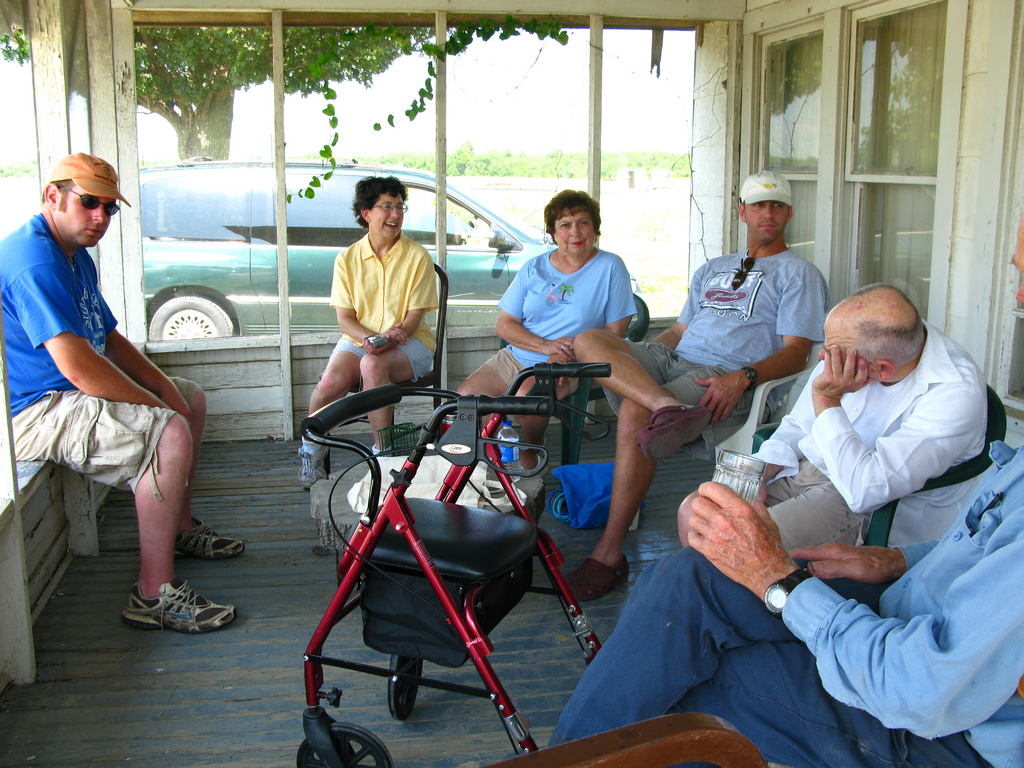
{"x": 749, "y": 317}
{"x": 84, "y": 397}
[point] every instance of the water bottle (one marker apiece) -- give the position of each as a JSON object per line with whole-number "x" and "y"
{"x": 509, "y": 453}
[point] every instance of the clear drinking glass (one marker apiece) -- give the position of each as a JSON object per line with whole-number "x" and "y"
{"x": 740, "y": 472}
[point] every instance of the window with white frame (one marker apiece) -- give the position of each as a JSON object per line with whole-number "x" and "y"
{"x": 893, "y": 146}
{"x": 791, "y": 128}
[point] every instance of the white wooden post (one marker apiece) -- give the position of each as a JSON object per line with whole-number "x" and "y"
{"x": 17, "y": 650}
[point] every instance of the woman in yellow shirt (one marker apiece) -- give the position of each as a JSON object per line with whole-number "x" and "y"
{"x": 383, "y": 286}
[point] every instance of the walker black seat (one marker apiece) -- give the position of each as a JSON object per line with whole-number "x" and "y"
{"x": 467, "y": 544}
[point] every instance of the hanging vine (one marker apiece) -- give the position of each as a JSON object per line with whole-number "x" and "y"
{"x": 458, "y": 40}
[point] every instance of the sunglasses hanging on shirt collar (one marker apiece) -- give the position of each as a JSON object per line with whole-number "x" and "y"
{"x": 742, "y": 272}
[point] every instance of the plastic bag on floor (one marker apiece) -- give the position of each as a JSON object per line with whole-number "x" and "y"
{"x": 428, "y": 482}
{"x": 584, "y": 497}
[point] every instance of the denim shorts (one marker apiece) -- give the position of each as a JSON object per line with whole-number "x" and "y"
{"x": 422, "y": 359}
{"x": 111, "y": 442}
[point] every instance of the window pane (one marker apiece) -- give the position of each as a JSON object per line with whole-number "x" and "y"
{"x": 372, "y": 78}
{"x": 19, "y": 181}
{"x": 196, "y": 213}
{"x": 793, "y": 91}
{"x": 896, "y": 238}
{"x": 517, "y": 134}
{"x": 800, "y": 230}
{"x": 645, "y": 164}
{"x": 215, "y": 106}
{"x": 898, "y": 91}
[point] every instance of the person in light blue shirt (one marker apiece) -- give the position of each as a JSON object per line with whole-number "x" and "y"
{"x": 554, "y": 297}
{"x": 865, "y": 657}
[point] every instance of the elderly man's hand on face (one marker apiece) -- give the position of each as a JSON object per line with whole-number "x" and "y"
{"x": 741, "y": 540}
{"x": 845, "y": 371}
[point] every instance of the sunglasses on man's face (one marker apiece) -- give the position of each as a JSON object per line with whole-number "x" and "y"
{"x": 91, "y": 202}
{"x": 742, "y": 272}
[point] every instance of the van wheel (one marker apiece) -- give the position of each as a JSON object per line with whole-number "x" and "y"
{"x": 189, "y": 317}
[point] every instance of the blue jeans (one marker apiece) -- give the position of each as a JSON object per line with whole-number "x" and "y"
{"x": 692, "y": 640}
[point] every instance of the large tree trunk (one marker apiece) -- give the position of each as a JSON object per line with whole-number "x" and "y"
{"x": 207, "y": 131}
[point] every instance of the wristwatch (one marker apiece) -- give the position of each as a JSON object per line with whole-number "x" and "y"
{"x": 752, "y": 375}
{"x": 777, "y": 593}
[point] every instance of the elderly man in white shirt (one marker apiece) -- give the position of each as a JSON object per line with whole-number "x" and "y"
{"x": 893, "y": 403}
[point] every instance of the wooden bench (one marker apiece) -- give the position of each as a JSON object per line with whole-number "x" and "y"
{"x": 52, "y": 517}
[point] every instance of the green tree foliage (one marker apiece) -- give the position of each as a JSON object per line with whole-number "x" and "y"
{"x": 189, "y": 75}
{"x": 17, "y": 169}
{"x": 457, "y": 41}
{"x": 15, "y": 47}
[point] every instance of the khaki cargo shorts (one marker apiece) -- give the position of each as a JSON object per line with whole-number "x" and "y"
{"x": 110, "y": 442}
{"x": 507, "y": 367}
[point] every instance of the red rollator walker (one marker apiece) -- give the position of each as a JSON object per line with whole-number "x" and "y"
{"x": 432, "y": 577}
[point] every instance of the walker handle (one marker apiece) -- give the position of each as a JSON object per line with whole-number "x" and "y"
{"x": 351, "y": 407}
{"x": 573, "y": 370}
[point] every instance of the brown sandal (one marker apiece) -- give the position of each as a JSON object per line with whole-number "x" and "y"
{"x": 671, "y": 427}
{"x": 593, "y": 578}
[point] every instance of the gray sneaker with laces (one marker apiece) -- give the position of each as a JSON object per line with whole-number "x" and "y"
{"x": 177, "y": 607}
{"x": 312, "y": 468}
{"x": 204, "y": 542}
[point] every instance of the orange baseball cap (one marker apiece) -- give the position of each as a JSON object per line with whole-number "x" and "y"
{"x": 93, "y": 174}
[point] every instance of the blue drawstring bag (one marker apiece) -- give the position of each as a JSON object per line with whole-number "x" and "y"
{"x": 586, "y": 492}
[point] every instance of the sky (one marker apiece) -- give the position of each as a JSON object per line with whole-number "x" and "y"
{"x": 522, "y": 95}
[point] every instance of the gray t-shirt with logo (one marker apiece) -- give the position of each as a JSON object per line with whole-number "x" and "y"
{"x": 783, "y": 295}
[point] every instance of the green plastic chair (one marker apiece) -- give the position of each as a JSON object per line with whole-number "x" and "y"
{"x": 585, "y": 393}
{"x": 881, "y": 518}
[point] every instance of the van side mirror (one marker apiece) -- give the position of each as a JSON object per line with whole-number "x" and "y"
{"x": 499, "y": 242}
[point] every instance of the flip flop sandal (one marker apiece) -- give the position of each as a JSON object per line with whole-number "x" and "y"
{"x": 593, "y": 578}
{"x": 671, "y": 427}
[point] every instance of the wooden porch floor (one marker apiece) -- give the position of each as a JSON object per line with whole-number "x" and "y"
{"x": 108, "y": 694}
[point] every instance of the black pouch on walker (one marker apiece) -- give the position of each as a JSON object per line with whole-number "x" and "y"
{"x": 402, "y": 615}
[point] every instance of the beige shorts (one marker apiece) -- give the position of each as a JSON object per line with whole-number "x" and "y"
{"x": 810, "y": 511}
{"x": 107, "y": 441}
{"x": 506, "y": 366}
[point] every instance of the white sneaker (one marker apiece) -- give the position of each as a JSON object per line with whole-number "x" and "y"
{"x": 312, "y": 468}
{"x": 177, "y": 607}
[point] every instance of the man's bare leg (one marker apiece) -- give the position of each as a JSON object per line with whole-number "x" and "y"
{"x": 159, "y": 519}
{"x": 628, "y": 379}
{"x": 196, "y": 426}
{"x": 633, "y": 475}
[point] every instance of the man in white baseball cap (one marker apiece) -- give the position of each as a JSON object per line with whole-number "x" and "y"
{"x": 764, "y": 187}
{"x": 749, "y": 317}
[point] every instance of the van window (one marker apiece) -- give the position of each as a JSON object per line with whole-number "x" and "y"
{"x": 195, "y": 206}
{"x": 325, "y": 221}
{"x": 464, "y": 226}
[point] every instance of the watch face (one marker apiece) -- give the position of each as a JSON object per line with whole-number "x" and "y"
{"x": 775, "y": 598}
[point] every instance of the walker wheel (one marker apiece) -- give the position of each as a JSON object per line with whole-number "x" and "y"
{"x": 402, "y": 693}
{"x": 356, "y": 746}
